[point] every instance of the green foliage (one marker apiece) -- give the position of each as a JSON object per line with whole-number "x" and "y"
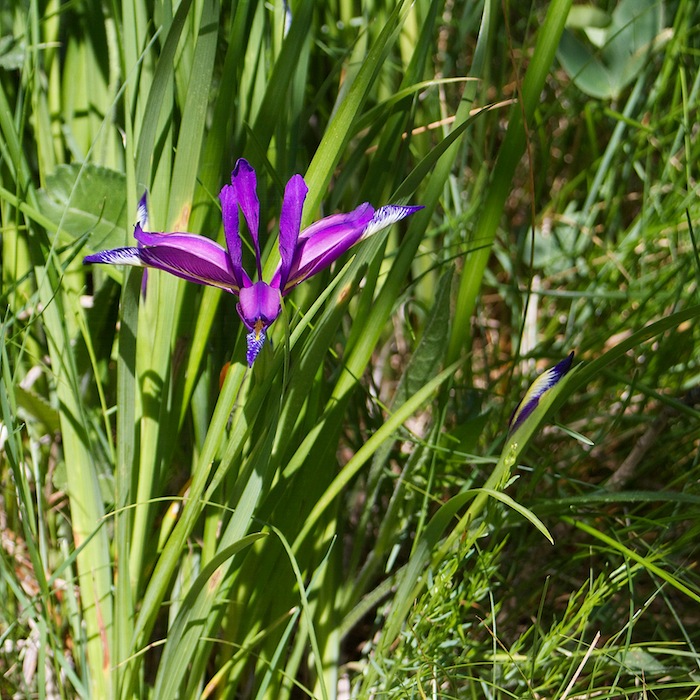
{"x": 351, "y": 518}
{"x": 614, "y": 50}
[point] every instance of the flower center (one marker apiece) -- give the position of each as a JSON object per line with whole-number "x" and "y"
{"x": 258, "y": 306}
{"x": 259, "y": 328}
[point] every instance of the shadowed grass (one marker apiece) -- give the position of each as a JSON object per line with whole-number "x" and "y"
{"x": 350, "y": 518}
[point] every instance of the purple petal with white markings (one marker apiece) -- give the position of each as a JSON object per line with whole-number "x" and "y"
{"x": 117, "y": 256}
{"x": 322, "y": 243}
{"x": 326, "y": 240}
{"x": 185, "y": 255}
{"x": 542, "y": 384}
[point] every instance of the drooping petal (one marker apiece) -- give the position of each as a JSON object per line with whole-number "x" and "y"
{"x": 192, "y": 265}
{"x": 534, "y": 394}
{"x": 386, "y": 216}
{"x": 185, "y": 255}
{"x": 259, "y": 305}
{"x": 259, "y": 302}
{"x": 322, "y": 243}
{"x": 326, "y": 240}
{"x": 290, "y": 223}
{"x": 116, "y": 256}
{"x": 244, "y": 184}
{"x": 229, "y": 214}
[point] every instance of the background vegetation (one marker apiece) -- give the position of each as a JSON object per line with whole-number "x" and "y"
{"x": 351, "y": 518}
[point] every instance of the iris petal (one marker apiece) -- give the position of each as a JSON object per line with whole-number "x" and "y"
{"x": 322, "y": 243}
{"x": 543, "y": 383}
{"x": 259, "y": 302}
{"x": 208, "y": 264}
{"x": 186, "y": 255}
{"x": 229, "y": 214}
{"x": 244, "y": 185}
{"x": 290, "y": 222}
{"x": 325, "y": 241}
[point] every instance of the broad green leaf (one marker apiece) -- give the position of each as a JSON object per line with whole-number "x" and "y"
{"x": 86, "y": 200}
{"x": 610, "y": 57}
{"x": 38, "y": 408}
{"x": 587, "y": 16}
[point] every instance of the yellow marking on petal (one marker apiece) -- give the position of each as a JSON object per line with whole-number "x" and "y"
{"x": 259, "y": 328}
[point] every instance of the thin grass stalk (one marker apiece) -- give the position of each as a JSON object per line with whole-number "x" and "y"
{"x": 125, "y": 467}
{"x": 87, "y": 511}
{"x": 509, "y": 156}
{"x": 167, "y": 562}
{"x": 132, "y": 40}
{"x": 202, "y": 613}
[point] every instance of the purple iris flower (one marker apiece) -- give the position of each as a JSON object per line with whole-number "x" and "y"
{"x": 302, "y": 253}
{"x": 537, "y": 389}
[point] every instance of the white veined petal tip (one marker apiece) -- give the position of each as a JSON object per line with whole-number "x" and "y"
{"x": 116, "y": 256}
{"x": 546, "y": 381}
{"x": 142, "y": 212}
{"x": 386, "y": 216}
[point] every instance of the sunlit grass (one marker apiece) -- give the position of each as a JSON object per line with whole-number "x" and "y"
{"x": 350, "y": 518}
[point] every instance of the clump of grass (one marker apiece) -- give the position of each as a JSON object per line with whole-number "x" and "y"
{"x": 351, "y": 515}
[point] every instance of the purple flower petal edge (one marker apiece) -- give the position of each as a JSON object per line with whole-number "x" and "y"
{"x": 116, "y": 256}
{"x": 386, "y": 216}
{"x": 542, "y": 384}
{"x": 244, "y": 187}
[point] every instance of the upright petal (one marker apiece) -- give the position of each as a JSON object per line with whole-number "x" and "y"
{"x": 229, "y": 214}
{"x": 532, "y": 397}
{"x": 290, "y": 223}
{"x": 244, "y": 185}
